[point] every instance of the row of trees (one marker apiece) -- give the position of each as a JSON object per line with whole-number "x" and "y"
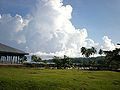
{"x": 86, "y": 52}
{"x": 70, "y": 62}
{"x": 111, "y": 59}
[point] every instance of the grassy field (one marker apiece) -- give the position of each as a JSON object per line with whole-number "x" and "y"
{"x": 53, "y": 79}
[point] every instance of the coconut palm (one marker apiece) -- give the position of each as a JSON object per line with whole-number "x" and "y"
{"x": 83, "y": 50}
{"x": 88, "y": 52}
{"x": 94, "y": 51}
{"x": 100, "y": 52}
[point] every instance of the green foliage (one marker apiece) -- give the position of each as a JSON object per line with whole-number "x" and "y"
{"x": 100, "y": 52}
{"x": 54, "y": 79}
{"x": 94, "y": 51}
{"x": 36, "y": 58}
{"x": 88, "y": 51}
{"x": 62, "y": 62}
{"x": 67, "y": 62}
{"x": 83, "y": 50}
{"x": 24, "y": 58}
{"x": 57, "y": 61}
{"x": 113, "y": 58}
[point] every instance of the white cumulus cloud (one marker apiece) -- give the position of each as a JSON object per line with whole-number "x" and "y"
{"x": 11, "y": 28}
{"x": 108, "y": 45}
{"x": 49, "y": 31}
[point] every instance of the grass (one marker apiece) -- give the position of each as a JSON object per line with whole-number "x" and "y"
{"x": 53, "y": 79}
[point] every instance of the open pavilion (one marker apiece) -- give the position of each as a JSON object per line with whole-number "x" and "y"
{"x": 10, "y": 55}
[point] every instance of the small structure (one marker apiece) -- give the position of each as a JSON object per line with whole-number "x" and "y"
{"x": 10, "y": 55}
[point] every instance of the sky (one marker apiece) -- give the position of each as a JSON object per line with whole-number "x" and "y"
{"x": 58, "y": 27}
{"x": 100, "y": 17}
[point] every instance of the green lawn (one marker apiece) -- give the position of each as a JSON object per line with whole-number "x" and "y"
{"x": 53, "y": 79}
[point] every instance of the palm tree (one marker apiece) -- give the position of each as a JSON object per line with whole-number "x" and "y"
{"x": 100, "y": 52}
{"x": 88, "y": 52}
{"x": 83, "y": 50}
{"x": 93, "y": 50}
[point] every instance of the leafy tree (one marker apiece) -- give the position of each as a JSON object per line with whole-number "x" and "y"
{"x": 22, "y": 59}
{"x": 36, "y": 58}
{"x": 39, "y": 59}
{"x": 92, "y": 63}
{"x": 62, "y": 62}
{"x": 67, "y": 62}
{"x": 57, "y": 61}
{"x": 113, "y": 58}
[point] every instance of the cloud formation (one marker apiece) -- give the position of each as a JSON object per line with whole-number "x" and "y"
{"x": 11, "y": 28}
{"x": 51, "y": 30}
{"x": 108, "y": 45}
{"x": 48, "y": 30}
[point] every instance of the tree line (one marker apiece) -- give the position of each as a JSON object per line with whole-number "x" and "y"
{"x": 110, "y": 60}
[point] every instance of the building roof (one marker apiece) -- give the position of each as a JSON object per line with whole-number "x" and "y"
{"x": 11, "y": 50}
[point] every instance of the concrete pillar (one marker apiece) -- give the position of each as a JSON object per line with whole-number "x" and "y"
{"x": 6, "y": 59}
{"x": 16, "y": 59}
{"x": 12, "y": 59}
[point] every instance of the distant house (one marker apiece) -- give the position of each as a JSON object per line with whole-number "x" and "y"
{"x": 10, "y": 55}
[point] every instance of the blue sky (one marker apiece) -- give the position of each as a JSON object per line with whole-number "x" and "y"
{"x": 14, "y": 7}
{"x": 100, "y": 18}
